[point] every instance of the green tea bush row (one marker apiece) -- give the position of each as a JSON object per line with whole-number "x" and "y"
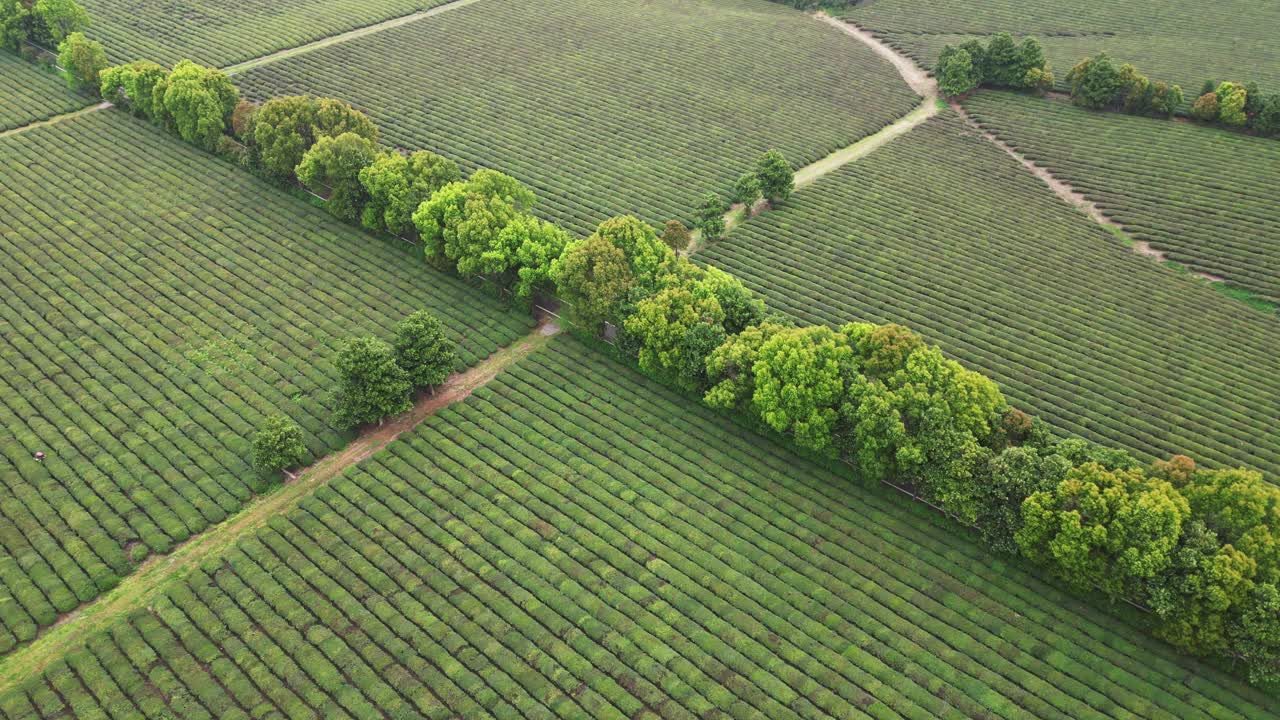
{"x": 157, "y": 323}
{"x": 558, "y": 546}
{"x": 1139, "y": 173}
{"x": 31, "y": 93}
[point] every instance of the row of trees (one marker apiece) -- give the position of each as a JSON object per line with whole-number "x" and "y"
{"x": 1000, "y": 63}
{"x": 44, "y": 23}
{"x": 772, "y": 179}
{"x": 1099, "y": 84}
{"x": 194, "y": 101}
{"x": 1238, "y": 105}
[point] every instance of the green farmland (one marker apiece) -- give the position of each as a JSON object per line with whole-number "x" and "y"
{"x": 32, "y": 93}
{"x": 1184, "y": 42}
{"x": 219, "y": 33}
{"x": 575, "y": 541}
{"x": 159, "y": 304}
{"x": 1144, "y": 174}
{"x": 945, "y": 233}
{"x": 605, "y": 108}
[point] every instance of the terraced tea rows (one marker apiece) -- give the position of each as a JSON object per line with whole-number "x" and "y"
{"x": 158, "y": 305}
{"x": 219, "y": 33}
{"x": 942, "y": 231}
{"x": 1205, "y": 196}
{"x": 1183, "y": 41}
{"x": 606, "y": 108}
{"x": 575, "y": 541}
{"x": 31, "y": 93}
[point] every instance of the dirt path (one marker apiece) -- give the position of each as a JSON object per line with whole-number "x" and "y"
{"x": 343, "y": 37}
{"x": 150, "y": 579}
{"x": 55, "y": 119}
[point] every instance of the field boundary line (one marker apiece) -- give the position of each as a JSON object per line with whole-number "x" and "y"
{"x": 56, "y": 119}
{"x": 343, "y": 37}
{"x": 139, "y": 588}
{"x": 921, "y": 82}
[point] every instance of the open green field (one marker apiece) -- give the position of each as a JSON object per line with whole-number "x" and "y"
{"x": 1183, "y": 41}
{"x": 220, "y": 33}
{"x": 575, "y": 541}
{"x": 942, "y": 231}
{"x": 158, "y": 304}
{"x": 604, "y": 107}
{"x": 32, "y": 93}
{"x": 1218, "y": 216}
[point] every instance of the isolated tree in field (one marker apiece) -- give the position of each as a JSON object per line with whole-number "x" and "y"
{"x": 709, "y": 218}
{"x": 82, "y": 59}
{"x": 198, "y": 102}
{"x": 1232, "y": 99}
{"x": 278, "y": 444}
{"x": 423, "y": 349}
{"x": 746, "y": 191}
{"x": 371, "y": 385}
{"x": 397, "y": 185}
{"x": 56, "y": 19}
{"x": 1205, "y": 108}
{"x": 333, "y": 166}
{"x": 464, "y": 222}
{"x": 133, "y": 85}
{"x": 956, "y": 74}
{"x": 284, "y": 128}
{"x": 777, "y": 180}
{"x": 675, "y": 235}
{"x": 1095, "y": 82}
{"x": 593, "y": 276}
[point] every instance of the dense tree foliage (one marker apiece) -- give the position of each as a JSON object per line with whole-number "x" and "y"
{"x": 676, "y": 235}
{"x": 371, "y": 384}
{"x": 1095, "y": 82}
{"x": 134, "y": 86}
{"x": 1000, "y": 63}
{"x": 278, "y": 444}
{"x": 710, "y": 216}
{"x": 397, "y": 185}
{"x": 82, "y": 60}
{"x": 332, "y": 168}
{"x": 284, "y": 128}
{"x": 423, "y": 349}
{"x": 198, "y": 102}
{"x": 1232, "y": 98}
{"x": 956, "y": 73}
{"x": 746, "y": 191}
{"x": 776, "y": 178}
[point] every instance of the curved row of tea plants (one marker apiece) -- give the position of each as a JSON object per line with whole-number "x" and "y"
{"x": 32, "y": 93}
{"x": 1184, "y": 42}
{"x": 158, "y": 305}
{"x": 577, "y": 541}
{"x": 942, "y": 232}
{"x": 217, "y": 33}
{"x": 1204, "y": 196}
{"x": 605, "y": 108}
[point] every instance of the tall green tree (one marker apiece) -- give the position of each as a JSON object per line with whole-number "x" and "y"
{"x": 133, "y": 86}
{"x": 731, "y": 368}
{"x": 82, "y": 60}
{"x": 1095, "y": 82}
{"x": 1003, "y": 62}
{"x": 15, "y": 21}
{"x": 333, "y": 166}
{"x": 746, "y": 191}
{"x": 278, "y": 445}
{"x": 423, "y": 349}
{"x": 371, "y": 385}
{"x": 1267, "y": 121}
{"x": 594, "y": 277}
{"x": 956, "y": 73}
{"x": 1231, "y": 101}
{"x": 800, "y": 382}
{"x": 677, "y": 328}
{"x": 284, "y": 128}
{"x": 710, "y": 216}
{"x": 57, "y": 19}
{"x": 777, "y": 179}
{"x": 398, "y": 185}
{"x": 1205, "y": 108}
{"x": 463, "y": 222}
{"x": 1103, "y": 528}
{"x": 198, "y": 102}
{"x": 1030, "y": 59}
{"x": 1205, "y": 584}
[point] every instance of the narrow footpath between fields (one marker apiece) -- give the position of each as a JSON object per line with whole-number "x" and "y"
{"x": 343, "y": 37}
{"x": 56, "y": 118}
{"x": 157, "y": 574}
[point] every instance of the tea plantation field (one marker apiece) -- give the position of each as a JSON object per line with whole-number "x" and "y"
{"x": 158, "y": 304}
{"x": 220, "y": 33}
{"x": 1219, "y": 217}
{"x": 604, "y": 107}
{"x": 942, "y": 231}
{"x": 1183, "y": 41}
{"x": 575, "y": 541}
{"x": 31, "y": 93}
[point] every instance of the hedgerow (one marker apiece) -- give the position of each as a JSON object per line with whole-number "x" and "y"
{"x": 576, "y": 541}
{"x": 1147, "y": 176}
{"x": 151, "y": 325}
